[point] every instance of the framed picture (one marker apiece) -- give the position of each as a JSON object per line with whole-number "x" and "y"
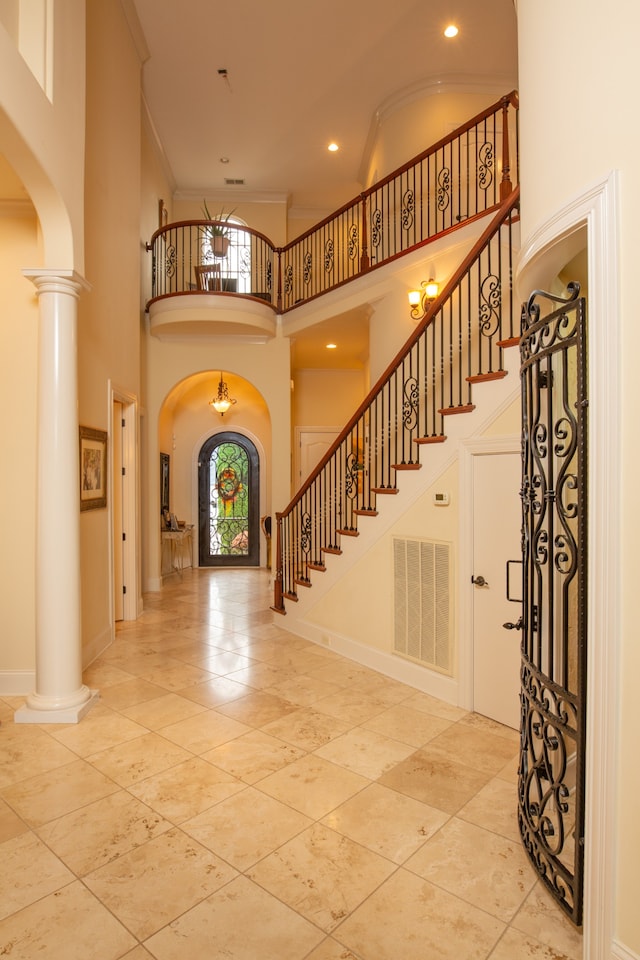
{"x": 164, "y": 483}
{"x": 93, "y": 468}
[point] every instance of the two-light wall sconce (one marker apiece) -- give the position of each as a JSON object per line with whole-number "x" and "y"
{"x": 419, "y": 300}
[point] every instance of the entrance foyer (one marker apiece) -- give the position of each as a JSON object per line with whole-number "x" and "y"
{"x": 279, "y": 800}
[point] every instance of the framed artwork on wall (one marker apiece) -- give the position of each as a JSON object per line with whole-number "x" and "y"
{"x": 93, "y": 468}
{"x": 164, "y": 483}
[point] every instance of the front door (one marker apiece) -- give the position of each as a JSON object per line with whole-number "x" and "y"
{"x": 229, "y": 502}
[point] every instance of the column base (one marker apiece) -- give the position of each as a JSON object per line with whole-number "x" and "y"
{"x": 67, "y": 713}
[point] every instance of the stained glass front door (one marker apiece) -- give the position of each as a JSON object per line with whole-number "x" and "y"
{"x": 229, "y": 508}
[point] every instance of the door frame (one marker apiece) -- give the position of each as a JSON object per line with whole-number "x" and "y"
{"x": 264, "y": 482}
{"x": 474, "y": 447}
{"x": 596, "y": 211}
{"x": 132, "y": 600}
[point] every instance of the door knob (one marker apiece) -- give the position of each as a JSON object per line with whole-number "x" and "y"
{"x": 479, "y": 581}
{"x": 513, "y": 626}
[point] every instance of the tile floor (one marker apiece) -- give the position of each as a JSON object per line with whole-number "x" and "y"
{"x": 240, "y": 793}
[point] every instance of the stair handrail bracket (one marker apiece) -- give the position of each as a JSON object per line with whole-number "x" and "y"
{"x": 459, "y": 342}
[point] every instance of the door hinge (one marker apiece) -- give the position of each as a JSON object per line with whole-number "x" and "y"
{"x": 124, "y": 423}
{"x": 124, "y": 589}
{"x": 124, "y": 536}
{"x": 124, "y": 472}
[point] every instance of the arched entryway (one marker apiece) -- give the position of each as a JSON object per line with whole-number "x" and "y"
{"x": 229, "y": 502}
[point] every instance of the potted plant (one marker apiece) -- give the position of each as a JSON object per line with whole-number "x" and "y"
{"x": 216, "y": 233}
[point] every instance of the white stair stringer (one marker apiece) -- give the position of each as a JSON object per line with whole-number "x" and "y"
{"x": 305, "y": 616}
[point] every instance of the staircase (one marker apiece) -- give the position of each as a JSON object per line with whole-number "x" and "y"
{"x": 459, "y": 347}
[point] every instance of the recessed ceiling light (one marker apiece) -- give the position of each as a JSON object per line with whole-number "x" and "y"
{"x": 224, "y": 159}
{"x": 451, "y": 31}
{"x": 333, "y": 147}
{"x": 331, "y": 346}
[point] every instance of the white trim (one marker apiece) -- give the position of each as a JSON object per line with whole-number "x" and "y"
{"x": 474, "y": 447}
{"x": 620, "y": 952}
{"x": 389, "y": 664}
{"x": 130, "y": 503}
{"x": 597, "y": 210}
{"x": 17, "y": 683}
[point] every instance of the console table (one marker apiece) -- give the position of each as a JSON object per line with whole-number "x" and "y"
{"x": 178, "y": 539}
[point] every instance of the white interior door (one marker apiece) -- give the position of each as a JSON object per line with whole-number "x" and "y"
{"x": 496, "y": 539}
{"x": 312, "y": 444}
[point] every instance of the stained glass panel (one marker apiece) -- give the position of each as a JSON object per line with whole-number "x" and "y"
{"x": 229, "y": 501}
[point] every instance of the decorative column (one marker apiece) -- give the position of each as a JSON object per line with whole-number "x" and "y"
{"x": 60, "y": 696}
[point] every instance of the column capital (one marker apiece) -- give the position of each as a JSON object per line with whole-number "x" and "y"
{"x": 56, "y": 281}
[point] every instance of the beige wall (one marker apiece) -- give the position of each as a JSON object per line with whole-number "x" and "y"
{"x": 323, "y": 398}
{"x": 404, "y": 131}
{"x": 43, "y": 139}
{"x": 574, "y": 132}
{"x": 18, "y": 392}
{"x": 109, "y": 313}
{"x": 268, "y": 218}
{"x": 260, "y": 376}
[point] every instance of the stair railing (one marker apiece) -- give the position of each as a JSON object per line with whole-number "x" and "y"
{"x": 459, "y": 341}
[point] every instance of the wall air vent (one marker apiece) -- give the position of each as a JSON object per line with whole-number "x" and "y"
{"x": 230, "y": 182}
{"x": 423, "y": 618}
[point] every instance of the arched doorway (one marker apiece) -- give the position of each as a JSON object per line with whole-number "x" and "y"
{"x": 229, "y": 502}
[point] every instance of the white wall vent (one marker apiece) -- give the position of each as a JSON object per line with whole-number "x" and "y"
{"x": 422, "y": 602}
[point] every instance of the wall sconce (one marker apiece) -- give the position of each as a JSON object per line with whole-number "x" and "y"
{"x": 419, "y": 300}
{"x": 222, "y": 401}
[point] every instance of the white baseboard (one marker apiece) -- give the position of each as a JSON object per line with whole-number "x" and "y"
{"x": 394, "y": 667}
{"x": 153, "y": 585}
{"x": 17, "y": 683}
{"x": 620, "y": 952}
{"x": 96, "y": 646}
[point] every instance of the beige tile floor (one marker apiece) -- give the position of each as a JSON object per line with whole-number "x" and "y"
{"x": 240, "y": 793}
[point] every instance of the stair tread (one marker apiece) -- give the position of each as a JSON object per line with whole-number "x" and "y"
{"x": 316, "y": 566}
{"x": 366, "y": 513}
{"x": 463, "y": 408}
{"x": 440, "y": 438}
{"x": 384, "y": 489}
{"x": 333, "y": 550}
{"x": 406, "y": 466}
{"x": 486, "y": 377}
{"x": 348, "y": 533}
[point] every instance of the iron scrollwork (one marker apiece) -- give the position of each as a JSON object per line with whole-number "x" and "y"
{"x": 490, "y": 305}
{"x": 376, "y": 227}
{"x": 444, "y": 189}
{"x": 328, "y": 256}
{"x": 410, "y": 401}
{"x": 485, "y": 165}
{"x": 353, "y": 242}
{"x": 408, "y": 209}
{"x": 553, "y": 673}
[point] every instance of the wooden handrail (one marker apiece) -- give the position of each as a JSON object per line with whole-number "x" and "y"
{"x": 506, "y": 207}
{"x": 382, "y": 385}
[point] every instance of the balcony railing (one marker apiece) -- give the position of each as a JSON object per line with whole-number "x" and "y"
{"x": 459, "y": 342}
{"x": 464, "y": 176}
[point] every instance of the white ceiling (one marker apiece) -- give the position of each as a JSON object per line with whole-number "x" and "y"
{"x": 300, "y": 74}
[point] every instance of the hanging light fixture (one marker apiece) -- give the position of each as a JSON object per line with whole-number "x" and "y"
{"x": 222, "y": 401}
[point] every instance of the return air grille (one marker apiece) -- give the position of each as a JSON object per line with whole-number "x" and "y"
{"x": 422, "y": 602}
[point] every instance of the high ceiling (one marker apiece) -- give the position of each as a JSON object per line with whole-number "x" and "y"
{"x": 268, "y": 85}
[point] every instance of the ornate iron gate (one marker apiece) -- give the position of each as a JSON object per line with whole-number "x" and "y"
{"x": 553, "y": 672}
